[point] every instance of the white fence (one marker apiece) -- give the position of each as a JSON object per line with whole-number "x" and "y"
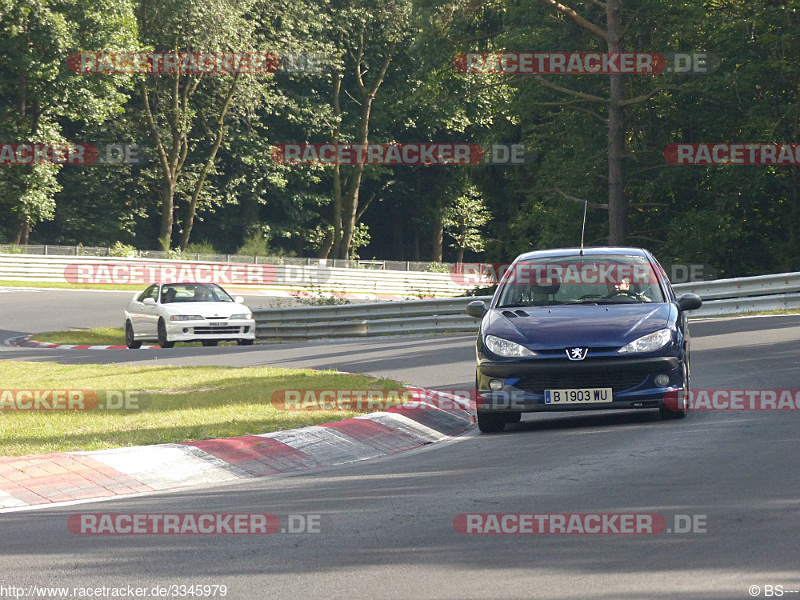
{"x": 279, "y": 279}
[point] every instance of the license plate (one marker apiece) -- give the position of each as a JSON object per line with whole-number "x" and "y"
{"x": 217, "y": 324}
{"x": 578, "y": 396}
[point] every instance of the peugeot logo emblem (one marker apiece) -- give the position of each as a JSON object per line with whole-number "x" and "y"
{"x": 576, "y": 353}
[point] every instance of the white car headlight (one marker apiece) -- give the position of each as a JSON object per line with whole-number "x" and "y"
{"x": 242, "y": 316}
{"x": 186, "y": 318}
{"x": 507, "y": 348}
{"x": 648, "y": 343}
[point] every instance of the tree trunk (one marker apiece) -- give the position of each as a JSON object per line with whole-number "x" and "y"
{"x": 437, "y": 238}
{"x": 187, "y": 229}
{"x": 22, "y": 230}
{"x": 167, "y": 217}
{"x": 327, "y": 245}
{"x": 617, "y": 201}
{"x": 170, "y": 159}
{"x": 349, "y": 199}
{"x": 335, "y": 242}
{"x": 612, "y": 35}
{"x": 462, "y": 241}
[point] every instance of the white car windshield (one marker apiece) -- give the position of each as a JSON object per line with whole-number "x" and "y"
{"x": 193, "y": 292}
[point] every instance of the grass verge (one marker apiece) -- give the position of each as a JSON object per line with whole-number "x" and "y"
{"x": 63, "y": 285}
{"x": 179, "y": 404}
{"x": 101, "y": 336}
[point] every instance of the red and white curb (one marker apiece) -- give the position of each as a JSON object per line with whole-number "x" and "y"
{"x": 45, "y": 480}
{"x": 27, "y": 342}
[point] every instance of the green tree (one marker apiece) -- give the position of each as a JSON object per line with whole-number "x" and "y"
{"x": 463, "y": 221}
{"x": 367, "y": 33}
{"x": 38, "y": 91}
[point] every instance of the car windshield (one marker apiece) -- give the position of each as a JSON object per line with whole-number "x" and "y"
{"x": 595, "y": 279}
{"x": 193, "y": 292}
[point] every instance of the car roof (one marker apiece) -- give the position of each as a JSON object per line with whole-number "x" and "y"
{"x": 187, "y": 283}
{"x": 591, "y": 251}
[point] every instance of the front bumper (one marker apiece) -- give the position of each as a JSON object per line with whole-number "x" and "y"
{"x": 630, "y": 379}
{"x": 188, "y": 331}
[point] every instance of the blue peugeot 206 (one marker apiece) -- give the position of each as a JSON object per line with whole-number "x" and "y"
{"x": 581, "y": 329}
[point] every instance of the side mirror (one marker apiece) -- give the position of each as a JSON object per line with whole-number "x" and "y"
{"x": 149, "y": 302}
{"x": 690, "y": 302}
{"x": 238, "y": 299}
{"x": 476, "y": 308}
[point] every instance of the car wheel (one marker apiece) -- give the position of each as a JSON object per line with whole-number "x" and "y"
{"x": 668, "y": 413}
{"x": 491, "y": 422}
{"x": 209, "y": 342}
{"x": 245, "y": 342}
{"x": 162, "y": 335}
{"x": 129, "y": 339}
{"x": 513, "y": 417}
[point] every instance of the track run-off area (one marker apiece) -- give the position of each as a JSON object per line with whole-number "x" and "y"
{"x": 393, "y": 527}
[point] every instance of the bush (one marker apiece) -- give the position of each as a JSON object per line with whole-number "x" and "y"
{"x": 254, "y": 245}
{"x": 200, "y": 248}
{"x": 435, "y": 267}
{"x": 123, "y": 250}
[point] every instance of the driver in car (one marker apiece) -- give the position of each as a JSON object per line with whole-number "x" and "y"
{"x": 623, "y": 285}
{"x": 624, "y": 288}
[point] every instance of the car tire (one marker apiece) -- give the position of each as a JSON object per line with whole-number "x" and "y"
{"x": 162, "y": 335}
{"x": 491, "y": 422}
{"x": 668, "y": 413}
{"x": 209, "y": 342}
{"x": 129, "y": 339}
{"x": 245, "y": 342}
{"x": 513, "y": 417}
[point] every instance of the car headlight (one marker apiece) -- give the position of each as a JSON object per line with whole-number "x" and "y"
{"x": 242, "y": 316}
{"x": 648, "y": 343}
{"x": 507, "y": 348}
{"x": 186, "y": 318}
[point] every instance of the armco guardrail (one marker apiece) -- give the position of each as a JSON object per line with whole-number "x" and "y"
{"x": 276, "y": 278}
{"x": 720, "y": 297}
{"x": 359, "y": 320}
{"x": 79, "y": 250}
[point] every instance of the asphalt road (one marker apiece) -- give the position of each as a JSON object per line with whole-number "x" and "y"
{"x": 386, "y": 526}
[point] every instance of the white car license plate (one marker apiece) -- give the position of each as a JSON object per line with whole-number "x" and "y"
{"x": 217, "y": 323}
{"x": 578, "y": 396}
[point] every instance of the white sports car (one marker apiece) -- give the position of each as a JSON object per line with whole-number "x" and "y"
{"x": 187, "y": 312}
